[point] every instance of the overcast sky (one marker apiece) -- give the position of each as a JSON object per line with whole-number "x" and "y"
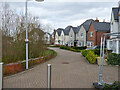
{"x": 62, "y": 14}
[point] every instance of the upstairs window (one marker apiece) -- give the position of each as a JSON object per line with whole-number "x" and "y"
{"x": 77, "y": 35}
{"x": 91, "y": 34}
{"x": 81, "y": 35}
{"x": 70, "y": 36}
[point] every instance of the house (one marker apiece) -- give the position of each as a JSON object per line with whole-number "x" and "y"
{"x": 72, "y": 36}
{"x": 57, "y": 36}
{"x": 95, "y": 32}
{"x": 47, "y": 37}
{"x": 114, "y": 42}
{"x": 81, "y": 36}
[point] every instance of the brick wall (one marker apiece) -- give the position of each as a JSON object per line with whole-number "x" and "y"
{"x": 96, "y": 35}
{"x": 99, "y": 34}
{"x": 93, "y": 38}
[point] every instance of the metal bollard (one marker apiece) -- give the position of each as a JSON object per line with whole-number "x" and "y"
{"x": 1, "y": 76}
{"x": 49, "y": 76}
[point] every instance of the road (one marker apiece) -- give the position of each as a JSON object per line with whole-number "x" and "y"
{"x": 69, "y": 70}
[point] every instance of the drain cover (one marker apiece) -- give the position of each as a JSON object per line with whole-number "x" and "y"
{"x": 65, "y": 62}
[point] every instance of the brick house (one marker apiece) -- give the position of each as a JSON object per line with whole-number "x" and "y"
{"x": 95, "y": 32}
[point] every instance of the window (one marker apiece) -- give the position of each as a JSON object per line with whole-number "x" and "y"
{"x": 110, "y": 44}
{"x": 114, "y": 46}
{"x": 81, "y": 35}
{"x": 70, "y": 36}
{"x": 90, "y": 43}
{"x": 91, "y": 34}
{"x": 82, "y": 44}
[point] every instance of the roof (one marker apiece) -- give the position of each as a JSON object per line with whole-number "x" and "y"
{"x": 115, "y": 11}
{"x": 59, "y": 30}
{"x": 87, "y": 23}
{"x": 101, "y": 26}
{"x": 75, "y": 29}
{"x": 66, "y": 30}
{"x": 47, "y": 33}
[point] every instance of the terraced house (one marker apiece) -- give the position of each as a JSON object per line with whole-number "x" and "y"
{"x": 87, "y": 34}
{"x": 57, "y": 36}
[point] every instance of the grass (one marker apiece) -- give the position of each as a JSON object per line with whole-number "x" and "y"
{"x": 46, "y": 52}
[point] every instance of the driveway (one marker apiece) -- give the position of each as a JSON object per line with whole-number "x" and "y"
{"x": 69, "y": 70}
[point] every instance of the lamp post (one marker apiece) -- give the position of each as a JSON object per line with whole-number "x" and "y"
{"x": 26, "y": 40}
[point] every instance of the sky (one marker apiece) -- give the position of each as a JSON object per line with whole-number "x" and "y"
{"x": 60, "y": 14}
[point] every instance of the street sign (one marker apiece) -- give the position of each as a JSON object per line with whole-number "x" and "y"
{"x": 26, "y": 40}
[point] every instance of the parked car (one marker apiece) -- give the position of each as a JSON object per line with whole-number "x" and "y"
{"x": 94, "y": 47}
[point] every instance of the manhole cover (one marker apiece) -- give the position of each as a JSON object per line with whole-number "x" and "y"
{"x": 65, "y": 62}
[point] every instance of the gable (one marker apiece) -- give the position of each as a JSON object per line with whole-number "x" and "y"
{"x": 92, "y": 28}
{"x": 71, "y": 31}
{"x": 82, "y": 29}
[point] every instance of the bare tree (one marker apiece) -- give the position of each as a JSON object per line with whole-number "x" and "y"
{"x": 13, "y": 41}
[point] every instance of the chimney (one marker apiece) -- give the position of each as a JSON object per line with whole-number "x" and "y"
{"x": 103, "y": 20}
{"x": 96, "y": 19}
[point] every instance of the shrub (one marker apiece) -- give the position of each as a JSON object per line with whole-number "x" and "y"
{"x": 91, "y": 57}
{"x": 84, "y": 52}
{"x": 65, "y": 47}
{"x": 96, "y": 51}
{"x": 113, "y": 59}
{"x": 79, "y": 48}
{"x": 114, "y": 86}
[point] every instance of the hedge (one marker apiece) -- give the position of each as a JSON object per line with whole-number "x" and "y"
{"x": 79, "y": 48}
{"x": 113, "y": 59}
{"x": 114, "y": 86}
{"x": 65, "y": 47}
{"x": 75, "y": 49}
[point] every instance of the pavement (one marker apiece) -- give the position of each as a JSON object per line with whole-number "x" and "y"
{"x": 69, "y": 70}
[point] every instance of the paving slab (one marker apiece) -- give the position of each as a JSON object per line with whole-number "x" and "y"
{"x": 69, "y": 70}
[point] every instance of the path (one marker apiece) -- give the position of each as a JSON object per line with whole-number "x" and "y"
{"x": 77, "y": 74}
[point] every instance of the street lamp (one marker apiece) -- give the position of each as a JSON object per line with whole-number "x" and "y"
{"x": 26, "y": 40}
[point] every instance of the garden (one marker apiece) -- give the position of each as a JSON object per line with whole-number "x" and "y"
{"x": 72, "y": 48}
{"x": 14, "y": 46}
{"x": 92, "y": 55}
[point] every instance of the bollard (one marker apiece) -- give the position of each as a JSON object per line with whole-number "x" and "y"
{"x": 49, "y": 76}
{"x": 1, "y": 75}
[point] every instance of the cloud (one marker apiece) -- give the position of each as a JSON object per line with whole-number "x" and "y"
{"x": 61, "y": 14}
{"x": 63, "y": 0}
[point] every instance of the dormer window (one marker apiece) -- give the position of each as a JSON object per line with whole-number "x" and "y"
{"x": 70, "y": 36}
